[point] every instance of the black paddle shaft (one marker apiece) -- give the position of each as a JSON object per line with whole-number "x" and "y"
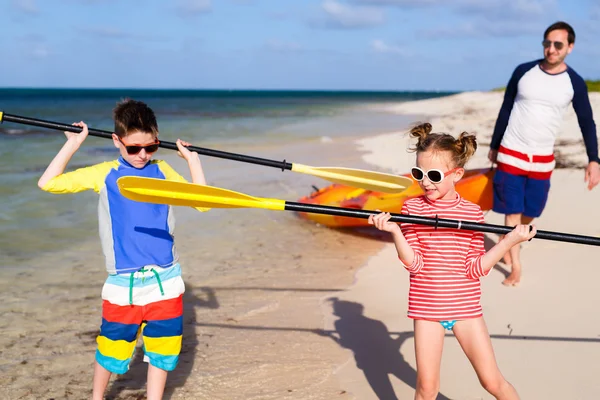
{"x": 167, "y": 145}
{"x": 437, "y": 222}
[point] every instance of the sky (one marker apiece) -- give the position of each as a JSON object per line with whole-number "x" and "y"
{"x": 391, "y": 45}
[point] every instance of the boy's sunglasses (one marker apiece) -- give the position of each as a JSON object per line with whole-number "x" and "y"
{"x": 557, "y": 45}
{"x": 134, "y": 149}
{"x": 434, "y": 175}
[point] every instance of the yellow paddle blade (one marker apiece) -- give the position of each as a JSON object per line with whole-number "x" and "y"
{"x": 160, "y": 191}
{"x": 369, "y": 180}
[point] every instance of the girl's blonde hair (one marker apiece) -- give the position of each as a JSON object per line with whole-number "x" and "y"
{"x": 461, "y": 149}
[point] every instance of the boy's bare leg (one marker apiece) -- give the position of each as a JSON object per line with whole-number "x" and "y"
{"x": 157, "y": 378}
{"x": 101, "y": 378}
{"x": 513, "y": 257}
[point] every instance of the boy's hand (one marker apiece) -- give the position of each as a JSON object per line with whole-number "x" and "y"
{"x": 184, "y": 152}
{"x": 78, "y": 137}
{"x": 521, "y": 233}
{"x": 381, "y": 222}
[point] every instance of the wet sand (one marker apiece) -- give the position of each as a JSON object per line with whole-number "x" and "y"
{"x": 254, "y": 284}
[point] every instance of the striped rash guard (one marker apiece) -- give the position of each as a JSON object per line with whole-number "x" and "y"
{"x": 444, "y": 275}
{"x": 133, "y": 234}
{"x": 531, "y": 116}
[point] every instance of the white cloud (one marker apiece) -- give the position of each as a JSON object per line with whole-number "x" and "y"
{"x": 379, "y": 46}
{"x": 492, "y": 10}
{"x": 280, "y": 46}
{"x": 480, "y": 29}
{"x": 401, "y": 3}
{"x": 40, "y": 52}
{"x": 342, "y": 16}
{"x": 26, "y": 6}
{"x": 187, "y": 8}
{"x": 522, "y": 10}
{"x": 595, "y": 12}
{"x": 104, "y": 31}
{"x": 116, "y": 33}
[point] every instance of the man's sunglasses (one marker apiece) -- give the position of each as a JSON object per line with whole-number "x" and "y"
{"x": 557, "y": 45}
{"x": 434, "y": 175}
{"x": 134, "y": 149}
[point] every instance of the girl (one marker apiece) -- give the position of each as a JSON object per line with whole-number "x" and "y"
{"x": 445, "y": 264}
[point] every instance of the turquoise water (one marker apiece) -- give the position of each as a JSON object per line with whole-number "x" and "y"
{"x": 33, "y": 222}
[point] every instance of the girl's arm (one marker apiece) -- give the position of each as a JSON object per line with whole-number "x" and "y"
{"x": 405, "y": 240}
{"x": 479, "y": 262}
{"x": 520, "y": 234}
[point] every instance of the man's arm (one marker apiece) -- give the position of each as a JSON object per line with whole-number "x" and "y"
{"x": 503, "y": 116}
{"x": 585, "y": 118}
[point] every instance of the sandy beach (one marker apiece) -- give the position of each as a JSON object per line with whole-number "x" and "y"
{"x": 294, "y": 326}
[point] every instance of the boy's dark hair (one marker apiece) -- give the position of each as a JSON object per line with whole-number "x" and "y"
{"x": 131, "y": 115}
{"x": 562, "y": 26}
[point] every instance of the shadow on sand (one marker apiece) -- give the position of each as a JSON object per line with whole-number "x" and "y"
{"x": 376, "y": 353}
{"x": 377, "y": 350}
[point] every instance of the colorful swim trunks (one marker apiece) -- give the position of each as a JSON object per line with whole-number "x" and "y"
{"x": 149, "y": 302}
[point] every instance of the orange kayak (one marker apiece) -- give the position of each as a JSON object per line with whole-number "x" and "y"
{"x": 475, "y": 186}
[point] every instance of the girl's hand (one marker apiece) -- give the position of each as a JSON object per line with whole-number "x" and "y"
{"x": 381, "y": 222}
{"x": 521, "y": 233}
{"x": 184, "y": 152}
{"x": 78, "y": 137}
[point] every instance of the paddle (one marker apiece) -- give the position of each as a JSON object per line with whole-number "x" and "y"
{"x": 160, "y": 191}
{"x": 368, "y": 180}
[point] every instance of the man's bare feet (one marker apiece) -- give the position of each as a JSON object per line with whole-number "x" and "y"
{"x": 507, "y": 258}
{"x": 513, "y": 279}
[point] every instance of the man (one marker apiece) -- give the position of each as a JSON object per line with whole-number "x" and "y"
{"x": 522, "y": 145}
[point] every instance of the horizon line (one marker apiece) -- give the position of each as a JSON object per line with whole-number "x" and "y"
{"x": 231, "y": 89}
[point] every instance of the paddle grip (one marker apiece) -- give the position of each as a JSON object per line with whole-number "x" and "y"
{"x": 283, "y": 165}
{"x": 438, "y": 223}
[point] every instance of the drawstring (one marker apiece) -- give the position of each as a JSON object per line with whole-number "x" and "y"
{"x": 162, "y": 292}
{"x": 131, "y": 288}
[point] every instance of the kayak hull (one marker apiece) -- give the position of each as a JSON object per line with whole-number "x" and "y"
{"x": 475, "y": 186}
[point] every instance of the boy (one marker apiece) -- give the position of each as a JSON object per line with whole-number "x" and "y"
{"x": 144, "y": 290}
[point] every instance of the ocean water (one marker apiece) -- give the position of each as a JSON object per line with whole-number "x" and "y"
{"x": 309, "y": 126}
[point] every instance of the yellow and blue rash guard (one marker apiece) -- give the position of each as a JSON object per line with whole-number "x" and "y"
{"x": 133, "y": 234}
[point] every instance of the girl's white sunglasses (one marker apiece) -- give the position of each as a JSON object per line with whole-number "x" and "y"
{"x": 434, "y": 175}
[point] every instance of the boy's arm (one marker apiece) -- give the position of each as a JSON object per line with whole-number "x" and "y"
{"x": 196, "y": 170}
{"x": 193, "y": 161}
{"x": 172, "y": 175}
{"x": 59, "y": 163}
